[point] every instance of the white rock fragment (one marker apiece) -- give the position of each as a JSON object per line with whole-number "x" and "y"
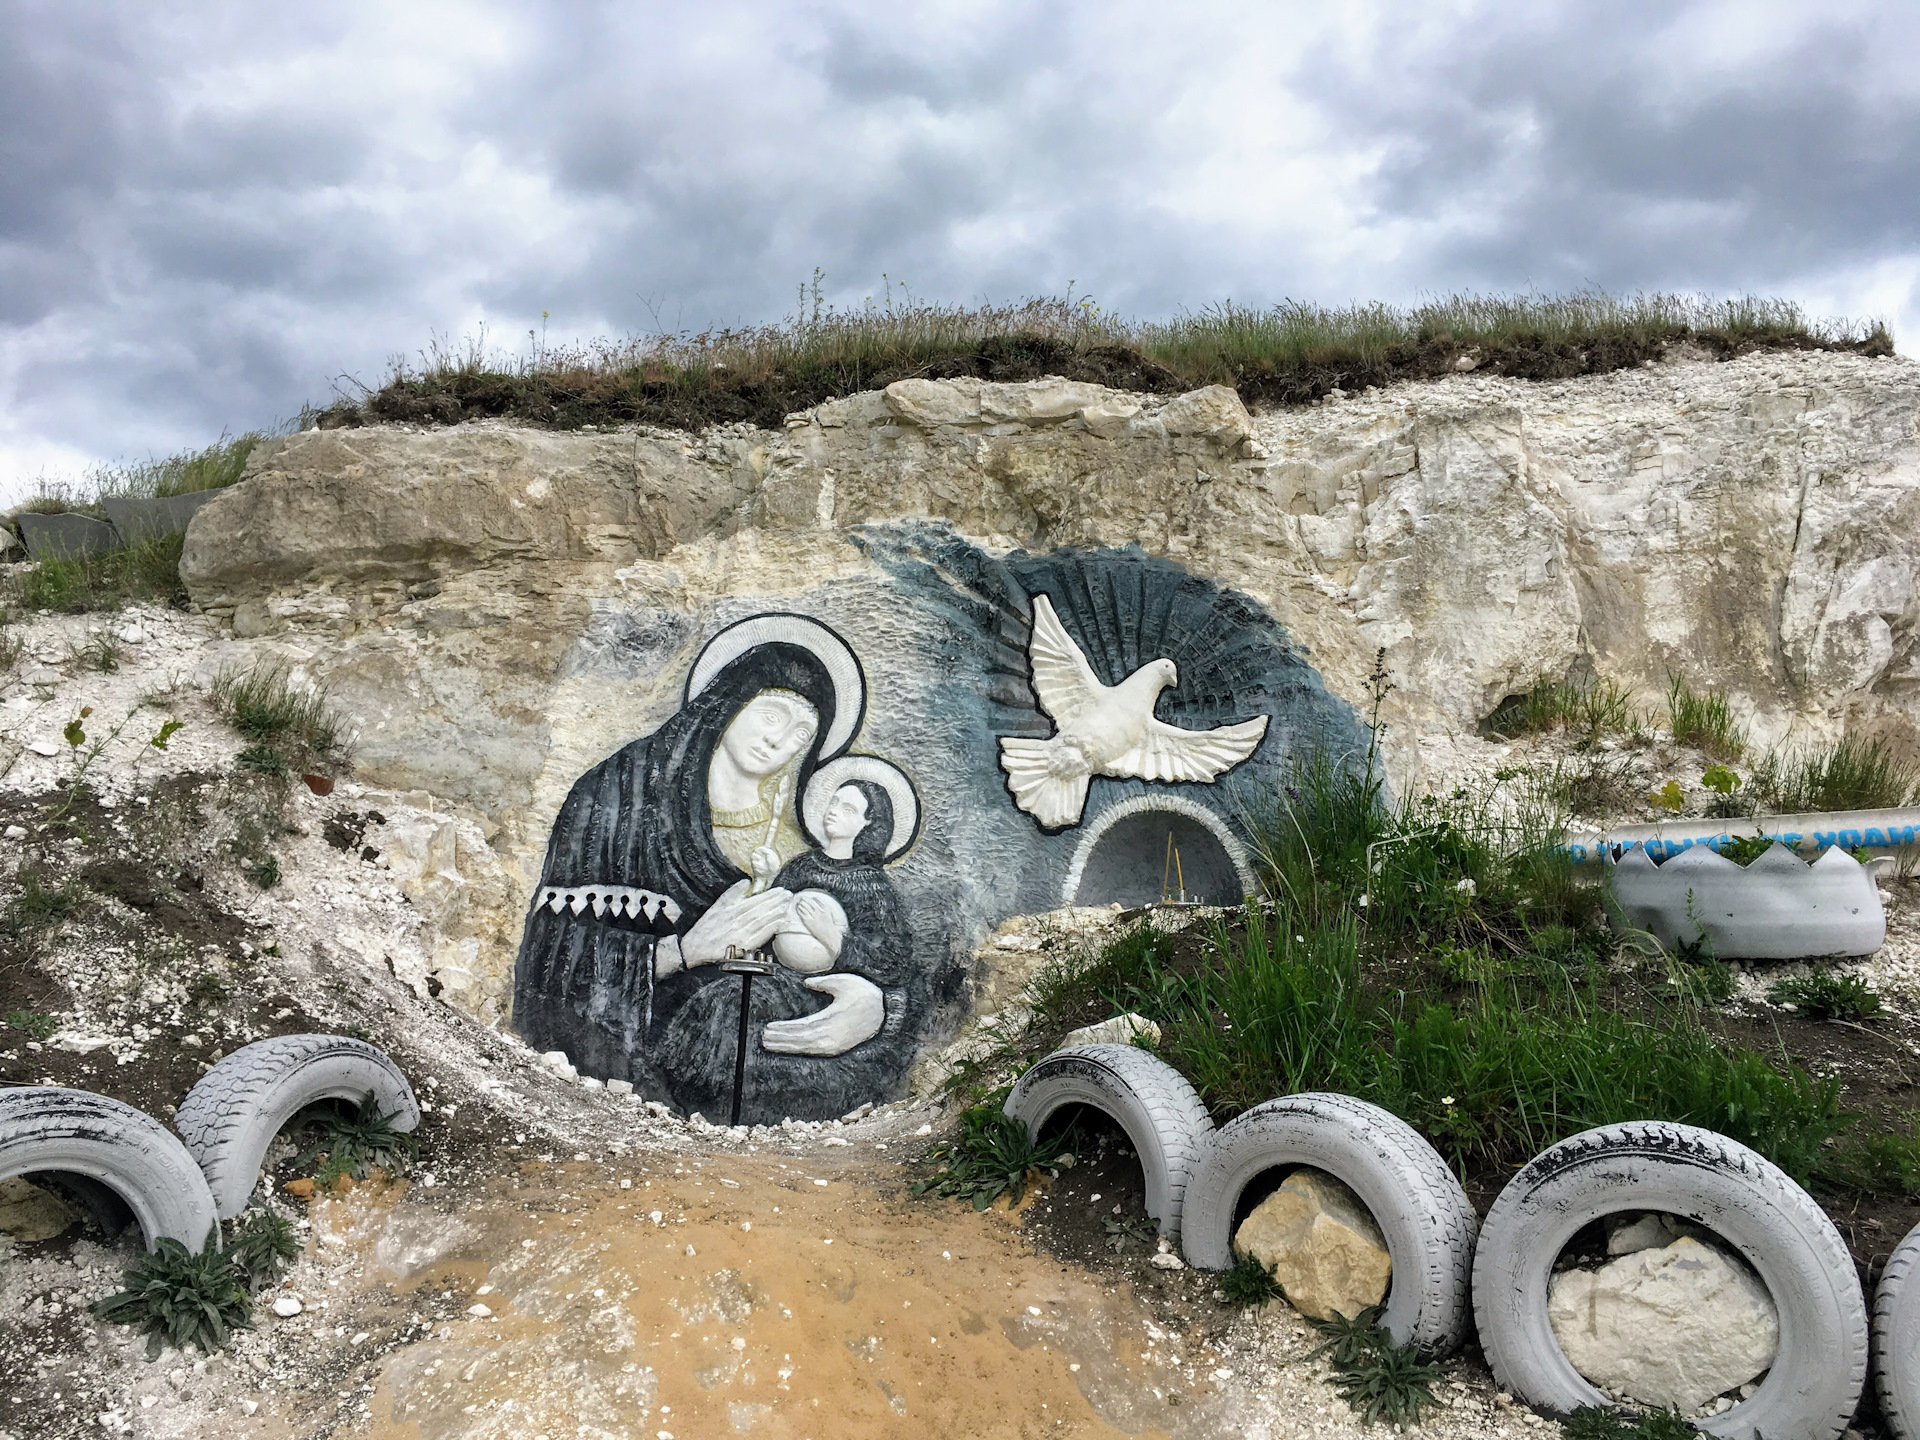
{"x": 287, "y": 1306}
{"x": 1120, "y": 1030}
{"x": 44, "y": 748}
{"x": 478, "y": 1310}
{"x": 1321, "y": 1244}
{"x": 1674, "y": 1326}
{"x": 619, "y": 1087}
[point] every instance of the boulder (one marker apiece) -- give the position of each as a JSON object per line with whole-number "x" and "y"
{"x": 29, "y": 1213}
{"x": 1214, "y": 413}
{"x": 1120, "y": 1030}
{"x": 1672, "y": 1326}
{"x": 1321, "y": 1244}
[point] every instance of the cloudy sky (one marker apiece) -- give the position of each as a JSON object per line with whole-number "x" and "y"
{"x": 211, "y": 212}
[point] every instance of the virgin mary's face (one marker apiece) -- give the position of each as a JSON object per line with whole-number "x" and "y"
{"x": 768, "y": 732}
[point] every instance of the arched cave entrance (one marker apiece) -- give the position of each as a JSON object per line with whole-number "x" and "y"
{"x": 1127, "y": 856}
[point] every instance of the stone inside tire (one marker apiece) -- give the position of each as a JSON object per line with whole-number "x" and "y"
{"x": 1423, "y": 1214}
{"x": 1896, "y": 1340}
{"x": 1160, "y": 1112}
{"x": 231, "y": 1115}
{"x": 82, "y": 1142}
{"x": 1746, "y": 1201}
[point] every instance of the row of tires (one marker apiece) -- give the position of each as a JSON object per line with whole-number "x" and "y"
{"x": 123, "y": 1166}
{"x": 1450, "y": 1271}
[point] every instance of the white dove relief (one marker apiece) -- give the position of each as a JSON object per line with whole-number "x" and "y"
{"x": 1105, "y": 730}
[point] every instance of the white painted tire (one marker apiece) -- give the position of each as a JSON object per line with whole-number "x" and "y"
{"x": 231, "y": 1116}
{"x": 1150, "y": 1100}
{"x": 1423, "y": 1214}
{"x": 1746, "y": 1201}
{"x": 1896, "y": 1340}
{"x": 56, "y": 1132}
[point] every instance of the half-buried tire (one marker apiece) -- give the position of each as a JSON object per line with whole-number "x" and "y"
{"x": 231, "y": 1116}
{"x": 1160, "y": 1112}
{"x": 1746, "y": 1201}
{"x": 84, "y": 1143}
{"x": 1423, "y": 1214}
{"x": 1896, "y": 1339}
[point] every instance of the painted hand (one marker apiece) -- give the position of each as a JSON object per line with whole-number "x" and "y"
{"x": 858, "y": 1010}
{"x": 823, "y": 917}
{"x": 736, "y": 918}
{"x": 765, "y": 863}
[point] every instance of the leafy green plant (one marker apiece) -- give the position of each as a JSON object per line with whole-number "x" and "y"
{"x": 263, "y": 871}
{"x": 1850, "y": 774}
{"x": 1886, "y": 1164}
{"x": 992, "y": 1156}
{"x": 1723, "y": 782}
{"x": 181, "y": 1298}
{"x": 149, "y": 570}
{"x": 1745, "y": 849}
{"x": 264, "y": 760}
{"x": 1126, "y": 1231}
{"x": 352, "y": 1141}
{"x": 1668, "y": 797}
{"x": 33, "y": 1023}
{"x": 1823, "y": 995}
{"x": 262, "y": 1246}
{"x": 1603, "y": 1422}
{"x": 1250, "y": 1282}
{"x": 1384, "y": 1382}
{"x": 39, "y": 905}
{"x": 1704, "y": 720}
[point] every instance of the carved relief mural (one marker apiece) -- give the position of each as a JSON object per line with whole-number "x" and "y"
{"x": 776, "y": 891}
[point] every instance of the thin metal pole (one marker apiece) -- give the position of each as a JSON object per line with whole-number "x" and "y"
{"x": 740, "y": 1050}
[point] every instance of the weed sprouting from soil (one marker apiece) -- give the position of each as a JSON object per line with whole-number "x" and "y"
{"x": 1587, "y": 710}
{"x": 180, "y": 1297}
{"x": 1386, "y": 1383}
{"x": 39, "y": 905}
{"x": 349, "y": 1141}
{"x": 32, "y": 1023}
{"x": 148, "y": 570}
{"x": 1250, "y": 1282}
{"x": 1823, "y": 995}
{"x": 262, "y": 1246}
{"x": 1602, "y": 1422}
{"x": 992, "y": 1156}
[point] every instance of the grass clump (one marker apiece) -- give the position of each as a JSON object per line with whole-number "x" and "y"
{"x": 990, "y": 1157}
{"x": 287, "y": 722}
{"x": 1291, "y": 353}
{"x": 1823, "y": 995}
{"x": 1588, "y": 709}
{"x": 148, "y": 570}
{"x": 1250, "y": 1282}
{"x": 1850, "y": 774}
{"x": 180, "y": 1298}
{"x": 348, "y": 1141}
{"x": 39, "y": 905}
{"x": 1704, "y": 720}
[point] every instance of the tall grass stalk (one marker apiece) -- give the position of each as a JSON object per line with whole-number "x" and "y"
{"x": 1704, "y": 720}
{"x": 1850, "y": 774}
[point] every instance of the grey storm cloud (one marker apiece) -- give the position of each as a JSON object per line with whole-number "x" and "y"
{"x": 210, "y": 214}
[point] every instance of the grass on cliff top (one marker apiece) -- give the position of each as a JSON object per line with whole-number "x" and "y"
{"x": 1293, "y": 353}
{"x": 213, "y": 468}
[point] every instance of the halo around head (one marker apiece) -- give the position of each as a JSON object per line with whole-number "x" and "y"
{"x": 831, "y": 776}
{"x": 843, "y": 668}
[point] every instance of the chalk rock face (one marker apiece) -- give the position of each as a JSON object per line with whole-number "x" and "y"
{"x": 1672, "y": 1326}
{"x": 497, "y": 610}
{"x": 1321, "y": 1244}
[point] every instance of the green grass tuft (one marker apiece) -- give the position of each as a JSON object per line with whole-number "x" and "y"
{"x": 1704, "y": 720}
{"x": 1385, "y": 1383}
{"x": 353, "y": 1141}
{"x": 1850, "y": 774}
{"x": 1602, "y": 1422}
{"x": 148, "y": 570}
{"x": 293, "y": 724}
{"x": 32, "y": 1023}
{"x": 262, "y": 1247}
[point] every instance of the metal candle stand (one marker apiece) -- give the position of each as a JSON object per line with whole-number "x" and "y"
{"x": 746, "y": 964}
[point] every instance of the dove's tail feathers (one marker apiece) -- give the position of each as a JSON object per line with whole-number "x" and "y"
{"x": 1054, "y": 800}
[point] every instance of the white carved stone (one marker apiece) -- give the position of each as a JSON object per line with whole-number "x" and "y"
{"x": 1106, "y": 730}
{"x": 1776, "y": 908}
{"x": 1120, "y": 1030}
{"x": 1321, "y": 1244}
{"x": 1673, "y": 1326}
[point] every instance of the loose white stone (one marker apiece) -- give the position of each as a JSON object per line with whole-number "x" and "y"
{"x": 1322, "y": 1245}
{"x": 1673, "y": 1326}
{"x": 478, "y": 1310}
{"x": 1120, "y": 1030}
{"x": 44, "y": 748}
{"x": 16, "y": 832}
{"x": 287, "y": 1306}
{"x": 619, "y": 1087}
{"x": 1167, "y": 1260}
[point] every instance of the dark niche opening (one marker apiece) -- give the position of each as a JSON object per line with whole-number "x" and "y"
{"x": 1128, "y": 862}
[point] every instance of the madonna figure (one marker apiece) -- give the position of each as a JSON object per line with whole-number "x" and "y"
{"x": 660, "y": 858}
{"x": 829, "y": 1029}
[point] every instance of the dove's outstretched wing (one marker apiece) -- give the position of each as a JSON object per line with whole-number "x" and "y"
{"x": 1062, "y": 679}
{"x": 1166, "y": 752}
